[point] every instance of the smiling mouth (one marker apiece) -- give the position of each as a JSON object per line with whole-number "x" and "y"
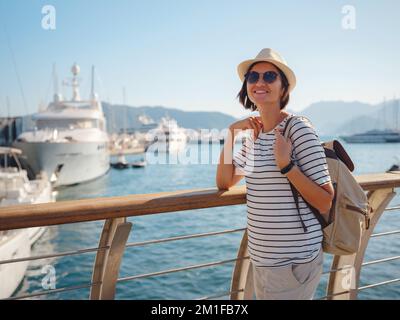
{"x": 261, "y": 91}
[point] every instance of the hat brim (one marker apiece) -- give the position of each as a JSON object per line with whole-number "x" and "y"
{"x": 244, "y": 67}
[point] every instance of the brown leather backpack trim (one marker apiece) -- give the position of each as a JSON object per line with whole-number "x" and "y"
{"x": 342, "y": 155}
{"x": 330, "y": 153}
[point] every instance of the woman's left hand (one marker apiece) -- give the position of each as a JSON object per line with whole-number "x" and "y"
{"x": 282, "y": 149}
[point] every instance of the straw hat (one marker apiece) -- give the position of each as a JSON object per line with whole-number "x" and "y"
{"x": 269, "y": 55}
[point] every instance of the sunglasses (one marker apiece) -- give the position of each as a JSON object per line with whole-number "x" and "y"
{"x": 253, "y": 76}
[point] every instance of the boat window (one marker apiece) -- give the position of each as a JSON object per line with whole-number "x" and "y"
{"x": 67, "y": 124}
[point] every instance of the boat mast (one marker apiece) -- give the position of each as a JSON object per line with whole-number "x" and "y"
{"x": 8, "y": 107}
{"x": 125, "y": 109}
{"x": 55, "y": 80}
{"x": 384, "y": 114}
{"x": 397, "y": 114}
{"x": 75, "y": 83}
{"x": 92, "y": 93}
{"x": 124, "y": 96}
{"x": 57, "y": 97}
{"x": 8, "y": 123}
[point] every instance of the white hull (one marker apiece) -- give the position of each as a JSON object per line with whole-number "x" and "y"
{"x": 373, "y": 136}
{"x": 81, "y": 161}
{"x": 11, "y": 274}
{"x": 16, "y": 189}
{"x": 35, "y": 234}
{"x": 17, "y": 246}
{"x": 365, "y": 139}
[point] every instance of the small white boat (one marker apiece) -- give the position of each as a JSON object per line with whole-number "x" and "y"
{"x": 121, "y": 162}
{"x": 139, "y": 164}
{"x": 396, "y": 166}
{"x": 16, "y": 189}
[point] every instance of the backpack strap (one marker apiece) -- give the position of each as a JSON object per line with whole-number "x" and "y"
{"x": 287, "y": 126}
{"x": 295, "y": 193}
{"x": 318, "y": 215}
{"x": 296, "y": 200}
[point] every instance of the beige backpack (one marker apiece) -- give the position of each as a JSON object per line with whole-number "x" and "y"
{"x": 350, "y": 212}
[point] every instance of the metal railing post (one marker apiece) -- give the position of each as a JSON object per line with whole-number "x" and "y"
{"x": 106, "y": 267}
{"x": 347, "y": 280}
{"x": 242, "y": 286}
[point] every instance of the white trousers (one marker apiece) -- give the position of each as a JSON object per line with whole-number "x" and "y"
{"x": 292, "y": 282}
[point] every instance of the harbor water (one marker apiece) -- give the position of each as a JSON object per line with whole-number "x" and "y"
{"x": 76, "y": 269}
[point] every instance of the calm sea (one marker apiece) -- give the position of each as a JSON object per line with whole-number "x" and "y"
{"x": 76, "y": 270}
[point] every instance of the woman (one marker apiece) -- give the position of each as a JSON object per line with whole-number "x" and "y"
{"x": 284, "y": 247}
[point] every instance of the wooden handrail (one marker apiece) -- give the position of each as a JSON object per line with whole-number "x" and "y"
{"x": 24, "y": 216}
{"x": 377, "y": 181}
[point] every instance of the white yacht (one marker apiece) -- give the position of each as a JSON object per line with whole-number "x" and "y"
{"x": 14, "y": 244}
{"x": 16, "y": 189}
{"x": 69, "y": 141}
{"x": 167, "y": 137}
{"x": 146, "y": 123}
{"x": 373, "y": 136}
{"x": 390, "y": 134}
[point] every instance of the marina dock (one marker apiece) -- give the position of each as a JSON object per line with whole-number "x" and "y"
{"x": 114, "y": 211}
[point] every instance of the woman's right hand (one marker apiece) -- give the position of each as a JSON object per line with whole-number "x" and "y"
{"x": 252, "y": 123}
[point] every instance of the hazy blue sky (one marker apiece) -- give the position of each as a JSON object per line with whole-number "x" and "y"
{"x": 184, "y": 54}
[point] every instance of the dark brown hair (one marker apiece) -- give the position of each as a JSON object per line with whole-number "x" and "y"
{"x": 245, "y": 100}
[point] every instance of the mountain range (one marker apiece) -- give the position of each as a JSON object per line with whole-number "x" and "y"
{"x": 123, "y": 117}
{"x": 328, "y": 117}
{"x": 342, "y": 118}
{"x": 332, "y": 118}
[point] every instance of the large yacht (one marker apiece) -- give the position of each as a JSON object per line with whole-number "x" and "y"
{"x": 167, "y": 136}
{"x": 146, "y": 123}
{"x": 69, "y": 141}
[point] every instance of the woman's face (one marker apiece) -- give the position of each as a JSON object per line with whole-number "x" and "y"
{"x": 261, "y": 92}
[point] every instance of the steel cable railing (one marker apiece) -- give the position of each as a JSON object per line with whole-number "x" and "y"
{"x": 203, "y": 265}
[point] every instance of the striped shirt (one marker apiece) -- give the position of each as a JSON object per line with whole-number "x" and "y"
{"x": 275, "y": 234}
